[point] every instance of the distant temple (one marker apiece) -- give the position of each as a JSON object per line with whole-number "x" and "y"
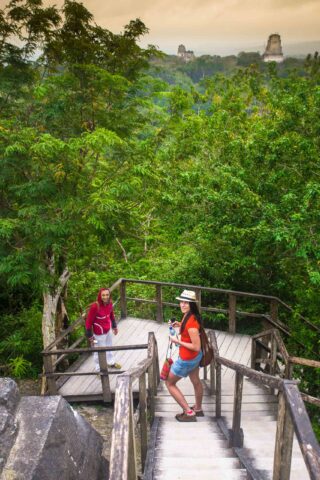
{"x": 273, "y": 52}
{"x": 186, "y": 55}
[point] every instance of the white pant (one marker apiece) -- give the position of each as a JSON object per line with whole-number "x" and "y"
{"x": 104, "y": 340}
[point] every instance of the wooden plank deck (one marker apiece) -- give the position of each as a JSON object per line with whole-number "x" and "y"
{"x": 258, "y": 418}
{"x": 135, "y": 331}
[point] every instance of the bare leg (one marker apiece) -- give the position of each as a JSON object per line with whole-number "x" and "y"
{"x": 198, "y": 388}
{"x": 176, "y": 392}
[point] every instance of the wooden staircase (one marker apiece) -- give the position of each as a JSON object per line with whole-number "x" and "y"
{"x": 200, "y": 450}
{"x": 190, "y": 451}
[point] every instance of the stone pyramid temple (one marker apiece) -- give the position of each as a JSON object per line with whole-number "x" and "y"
{"x": 273, "y": 52}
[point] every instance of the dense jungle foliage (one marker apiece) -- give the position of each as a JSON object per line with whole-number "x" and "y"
{"x": 111, "y": 171}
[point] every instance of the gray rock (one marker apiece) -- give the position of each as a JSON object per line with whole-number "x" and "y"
{"x": 9, "y": 399}
{"x": 53, "y": 443}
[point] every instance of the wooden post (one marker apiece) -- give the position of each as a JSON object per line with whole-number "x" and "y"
{"x": 283, "y": 444}
{"x": 123, "y": 299}
{"x": 273, "y": 355}
{"x": 159, "y": 303}
{"x": 288, "y": 373}
{"x": 253, "y": 354}
{"x": 237, "y": 433}
{"x": 151, "y": 394}
{"x": 132, "y": 458}
{"x": 218, "y": 390}
{"x": 198, "y": 297}
{"x": 212, "y": 377}
{"x": 157, "y": 361}
{"x": 152, "y": 382}
{"x": 274, "y": 306}
{"x": 232, "y": 313}
{"x": 143, "y": 418}
{"x": 119, "y": 453}
{"x": 155, "y": 376}
{"x": 106, "y": 391}
{"x": 48, "y": 368}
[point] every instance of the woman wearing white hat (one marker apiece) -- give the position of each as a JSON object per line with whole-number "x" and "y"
{"x": 190, "y": 355}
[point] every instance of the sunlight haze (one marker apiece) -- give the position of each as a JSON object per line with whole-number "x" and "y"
{"x": 211, "y": 27}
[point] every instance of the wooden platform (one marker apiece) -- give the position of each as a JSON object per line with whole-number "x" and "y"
{"x": 135, "y": 331}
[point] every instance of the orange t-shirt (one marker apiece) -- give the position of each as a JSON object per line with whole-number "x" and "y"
{"x": 184, "y": 352}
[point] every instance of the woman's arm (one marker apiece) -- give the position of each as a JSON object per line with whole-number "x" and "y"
{"x": 113, "y": 321}
{"x": 195, "y": 344}
{"x": 89, "y": 321}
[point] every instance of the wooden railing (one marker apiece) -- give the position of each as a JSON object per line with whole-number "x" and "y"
{"x": 292, "y": 417}
{"x": 104, "y": 373}
{"x": 123, "y": 459}
{"x": 270, "y": 317}
{"x": 119, "y": 289}
{"x": 269, "y": 352}
{"x": 291, "y": 414}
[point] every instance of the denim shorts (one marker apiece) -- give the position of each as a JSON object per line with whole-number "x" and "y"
{"x": 182, "y": 368}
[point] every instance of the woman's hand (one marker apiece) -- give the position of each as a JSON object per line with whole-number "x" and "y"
{"x": 174, "y": 339}
{"x": 175, "y": 324}
{"x": 115, "y": 331}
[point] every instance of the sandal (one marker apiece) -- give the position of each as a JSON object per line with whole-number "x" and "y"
{"x": 199, "y": 413}
{"x": 184, "y": 417}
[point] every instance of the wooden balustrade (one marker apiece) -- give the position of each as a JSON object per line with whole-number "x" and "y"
{"x": 278, "y": 353}
{"x": 231, "y": 311}
{"x": 52, "y": 375}
{"x": 123, "y": 462}
{"x": 270, "y": 318}
{"x": 292, "y": 415}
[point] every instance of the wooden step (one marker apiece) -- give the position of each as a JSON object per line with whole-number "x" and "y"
{"x": 195, "y": 464}
{"x": 201, "y": 474}
{"x": 215, "y": 449}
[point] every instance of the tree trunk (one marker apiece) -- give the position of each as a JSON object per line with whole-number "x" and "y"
{"x": 50, "y": 311}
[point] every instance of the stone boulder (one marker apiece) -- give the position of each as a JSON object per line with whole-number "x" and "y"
{"x": 9, "y": 400}
{"x": 47, "y": 440}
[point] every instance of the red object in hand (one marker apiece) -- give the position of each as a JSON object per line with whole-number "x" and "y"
{"x": 166, "y": 368}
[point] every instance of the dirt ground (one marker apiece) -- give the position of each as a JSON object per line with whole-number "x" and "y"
{"x": 29, "y": 387}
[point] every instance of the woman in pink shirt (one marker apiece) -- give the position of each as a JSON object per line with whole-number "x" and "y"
{"x": 100, "y": 323}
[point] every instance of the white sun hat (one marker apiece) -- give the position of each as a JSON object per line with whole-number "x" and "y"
{"x": 187, "y": 296}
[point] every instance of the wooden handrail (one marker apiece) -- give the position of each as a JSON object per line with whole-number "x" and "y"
{"x": 79, "y": 321}
{"x": 231, "y": 311}
{"x": 272, "y": 319}
{"x": 292, "y": 415}
{"x": 123, "y": 463}
{"x": 304, "y": 361}
{"x": 224, "y": 291}
{"x": 290, "y": 309}
{"x": 278, "y": 344}
{"x": 66, "y": 332}
{"x": 199, "y": 287}
{"x": 298, "y": 416}
{"x": 307, "y": 441}
{"x": 96, "y": 349}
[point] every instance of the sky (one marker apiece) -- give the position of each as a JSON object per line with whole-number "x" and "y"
{"x": 214, "y": 27}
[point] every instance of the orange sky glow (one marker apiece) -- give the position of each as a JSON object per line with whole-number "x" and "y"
{"x": 210, "y": 26}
